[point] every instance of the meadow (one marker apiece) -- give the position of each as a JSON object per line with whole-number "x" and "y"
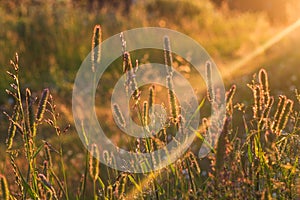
{"x": 42, "y": 157}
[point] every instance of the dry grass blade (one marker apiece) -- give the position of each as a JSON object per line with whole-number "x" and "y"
{"x": 221, "y": 146}
{"x": 4, "y": 191}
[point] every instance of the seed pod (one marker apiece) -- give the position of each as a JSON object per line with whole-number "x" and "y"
{"x": 210, "y": 91}
{"x": 42, "y": 105}
{"x": 172, "y": 98}
{"x": 12, "y": 128}
{"x": 4, "y": 191}
{"x": 168, "y": 56}
{"x": 94, "y": 162}
{"x": 119, "y": 115}
{"x": 96, "y": 48}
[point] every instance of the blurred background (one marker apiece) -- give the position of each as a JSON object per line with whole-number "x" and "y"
{"x": 52, "y": 39}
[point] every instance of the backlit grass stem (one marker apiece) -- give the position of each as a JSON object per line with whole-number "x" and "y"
{"x": 96, "y": 46}
{"x": 42, "y": 105}
{"x": 172, "y": 98}
{"x": 210, "y": 86}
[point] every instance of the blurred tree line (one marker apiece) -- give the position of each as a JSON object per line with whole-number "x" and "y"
{"x": 53, "y": 37}
{"x": 124, "y": 5}
{"x": 275, "y": 9}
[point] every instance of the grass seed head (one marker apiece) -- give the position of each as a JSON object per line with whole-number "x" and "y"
{"x": 263, "y": 80}
{"x": 94, "y": 162}
{"x": 168, "y": 56}
{"x": 42, "y": 105}
{"x": 229, "y": 97}
{"x": 256, "y": 107}
{"x": 145, "y": 113}
{"x": 30, "y": 121}
{"x": 96, "y": 48}
{"x": 151, "y": 100}
{"x": 264, "y": 84}
{"x": 285, "y": 113}
{"x": 266, "y": 113}
{"x": 210, "y": 87}
{"x": 127, "y": 64}
{"x": 172, "y": 98}
{"x": 119, "y": 115}
{"x": 280, "y": 107}
{"x": 123, "y": 43}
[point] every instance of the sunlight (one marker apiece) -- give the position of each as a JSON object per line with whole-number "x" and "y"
{"x": 261, "y": 49}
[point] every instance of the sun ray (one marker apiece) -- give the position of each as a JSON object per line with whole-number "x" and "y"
{"x": 236, "y": 65}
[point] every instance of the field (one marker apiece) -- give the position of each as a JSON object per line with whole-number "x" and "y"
{"x": 234, "y": 139}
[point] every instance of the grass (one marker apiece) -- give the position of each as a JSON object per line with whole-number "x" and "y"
{"x": 256, "y": 159}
